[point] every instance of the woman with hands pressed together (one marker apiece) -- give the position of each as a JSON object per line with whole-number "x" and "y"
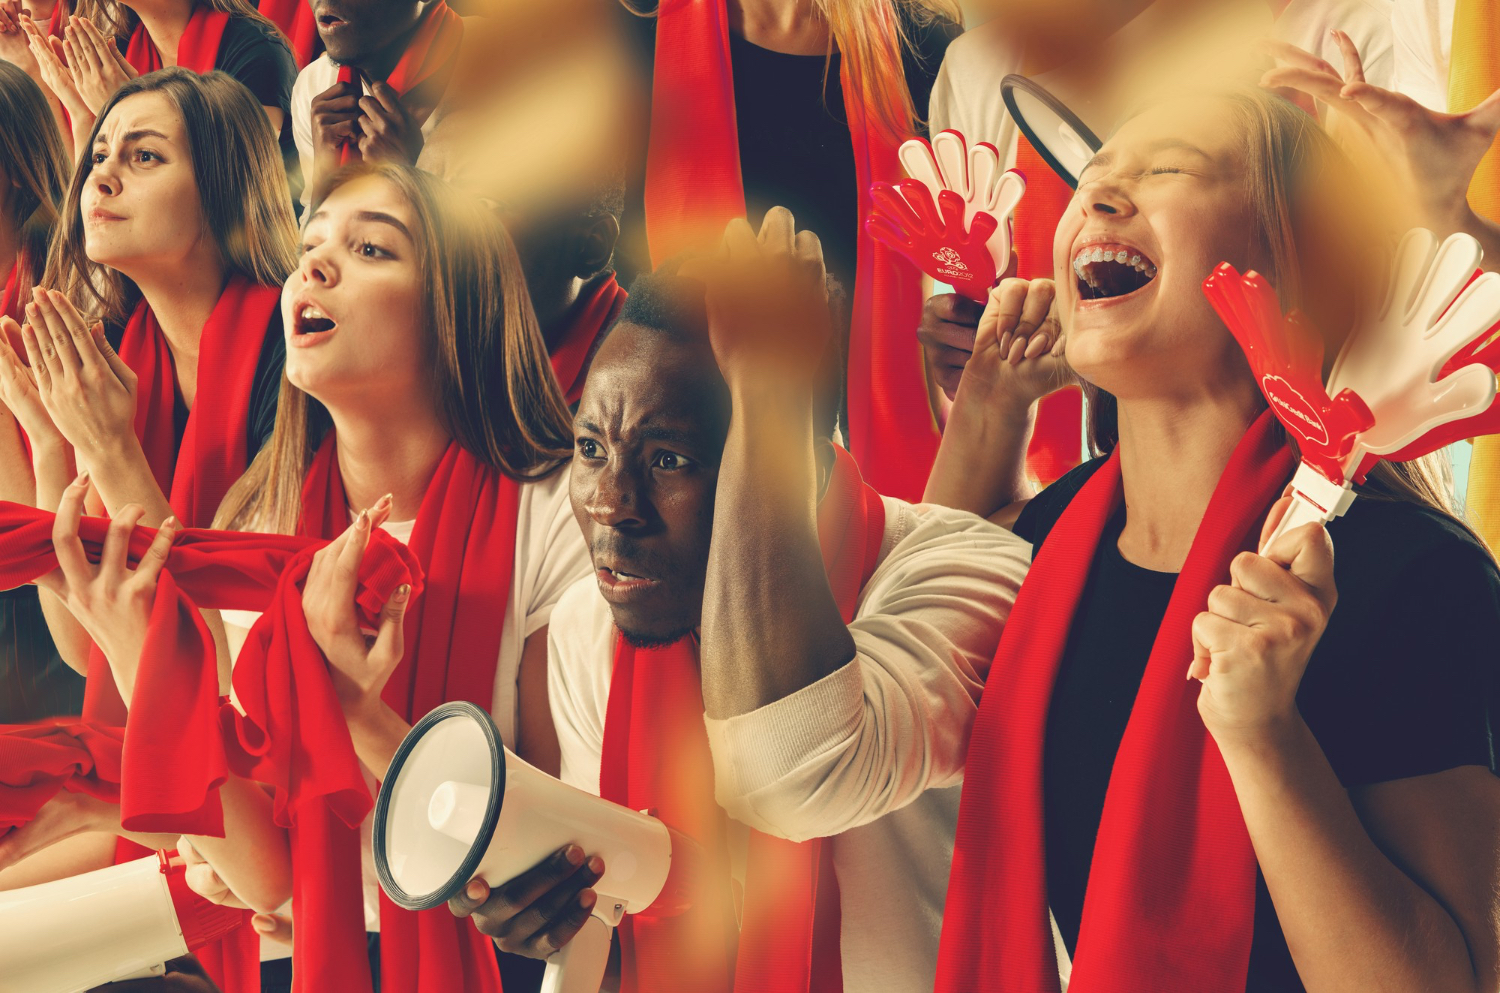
{"x": 1251, "y": 770}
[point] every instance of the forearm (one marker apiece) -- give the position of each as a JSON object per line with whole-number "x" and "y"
{"x": 70, "y": 857}
{"x": 121, "y": 475}
{"x": 254, "y": 857}
{"x": 69, "y": 637}
{"x": 16, "y": 482}
{"x": 765, "y": 562}
{"x": 1354, "y": 922}
{"x": 981, "y": 462}
{"x": 377, "y": 731}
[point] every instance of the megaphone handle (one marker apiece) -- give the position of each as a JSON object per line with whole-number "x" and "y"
{"x": 578, "y": 967}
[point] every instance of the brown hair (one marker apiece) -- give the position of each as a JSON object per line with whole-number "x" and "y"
{"x": 33, "y": 160}
{"x": 113, "y": 17}
{"x": 1315, "y": 225}
{"x": 871, "y": 36}
{"x": 242, "y": 190}
{"x": 489, "y": 365}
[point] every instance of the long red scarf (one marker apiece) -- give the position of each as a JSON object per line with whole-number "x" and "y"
{"x": 15, "y": 282}
{"x": 1171, "y": 892}
{"x": 432, "y": 50}
{"x": 296, "y": 21}
{"x": 196, "y": 472}
{"x": 1057, "y": 440}
{"x": 694, "y": 187}
{"x": 198, "y": 50}
{"x": 591, "y": 316}
{"x": 656, "y": 755}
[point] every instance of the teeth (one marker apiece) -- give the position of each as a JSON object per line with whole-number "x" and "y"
{"x": 1121, "y": 256}
{"x": 1135, "y": 260}
{"x": 311, "y": 313}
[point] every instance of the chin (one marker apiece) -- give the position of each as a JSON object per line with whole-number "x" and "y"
{"x": 651, "y": 629}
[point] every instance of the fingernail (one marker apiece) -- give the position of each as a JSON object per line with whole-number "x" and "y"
{"x": 596, "y": 866}
{"x": 402, "y": 592}
{"x": 263, "y": 923}
{"x": 362, "y": 521}
{"x": 170, "y": 523}
{"x": 573, "y": 854}
{"x": 587, "y": 899}
{"x": 475, "y": 890}
{"x": 385, "y": 501}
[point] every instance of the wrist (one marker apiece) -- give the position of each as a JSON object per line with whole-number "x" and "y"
{"x": 1267, "y": 740}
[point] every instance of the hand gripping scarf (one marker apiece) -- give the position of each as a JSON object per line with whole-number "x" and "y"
{"x": 656, "y": 756}
{"x": 591, "y": 315}
{"x": 694, "y": 187}
{"x": 198, "y": 50}
{"x": 432, "y": 50}
{"x": 1171, "y": 892}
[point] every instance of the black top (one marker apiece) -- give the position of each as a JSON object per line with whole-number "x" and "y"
{"x": 256, "y": 54}
{"x": 1403, "y": 682}
{"x": 795, "y": 147}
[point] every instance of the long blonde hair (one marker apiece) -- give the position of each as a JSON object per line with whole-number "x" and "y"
{"x": 488, "y": 363}
{"x": 1303, "y": 192}
{"x": 871, "y": 36}
{"x": 242, "y": 190}
{"x": 32, "y": 158}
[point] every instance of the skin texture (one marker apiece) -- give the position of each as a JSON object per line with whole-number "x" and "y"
{"x": 644, "y": 473}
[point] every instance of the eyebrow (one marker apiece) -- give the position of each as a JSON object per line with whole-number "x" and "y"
{"x": 135, "y": 135}
{"x": 1160, "y": 145}
{"x": 380, "y": 217}
{"x": 648, "y": 433}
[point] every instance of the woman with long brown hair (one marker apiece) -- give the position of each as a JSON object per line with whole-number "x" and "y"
{"x": 761, "y": 103}
{"x": 34, "y": 681}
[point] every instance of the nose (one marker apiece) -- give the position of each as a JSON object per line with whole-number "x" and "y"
{"x": 1105, "y": 195}
{"x": 317, "y": 266}
{"x": 105, "y": 177}
{"x": 618, "y": 499}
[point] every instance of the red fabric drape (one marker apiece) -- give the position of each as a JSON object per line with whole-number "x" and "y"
{"x": 591, "y": 316}
{"x": 198, "y": 50}
{"x": 1171, "y": 892}
{"x": 296, "y": 21}
{"x": 1056, "y": 442}
{"x": 694, "y": 187}
{"x": 11, "y": 304}
{"x": 432, "y": 50}
{"x": 656, "y": 755}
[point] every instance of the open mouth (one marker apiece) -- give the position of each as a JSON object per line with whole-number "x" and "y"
{"x": 617, "y": 583}
{"x": 310, "y": 320}
{"x": 1109, "y": 270}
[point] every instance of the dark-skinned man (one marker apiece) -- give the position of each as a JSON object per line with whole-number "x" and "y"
{"x": 755, "y": 605}
{"x": 373, "y": 92}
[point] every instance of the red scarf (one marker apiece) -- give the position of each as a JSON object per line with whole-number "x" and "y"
{"x": 656, "y": 755}
{"x": 38, "y": 760}
{"x": 591, "y": 315}
{"x": 196, "y": 472}
{"x": 694, "y": 187}
{"x": 1171, "y": 891}
{"x": 198, "y": 50}
{"x": 1057, "y": 440}
{"x": 431, "y": 51}
{"x": 15, "y": 282}
{"x": 296, "y": 21}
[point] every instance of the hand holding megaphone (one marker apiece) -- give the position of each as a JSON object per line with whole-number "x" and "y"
{"x": 457, "y": 806}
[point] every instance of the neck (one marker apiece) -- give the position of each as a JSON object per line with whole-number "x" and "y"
{"x": 792, "y": 27}
{"x": 556, "y": 315}
{"x": 164, "y": 21}
{"x": 181, "y": 301}
{"x": 379, "y": 65}
{"x": 388, "y": 450}
{"x": 1172, "y": 454}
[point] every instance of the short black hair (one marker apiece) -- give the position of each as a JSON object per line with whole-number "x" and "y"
{"x": 673, "y": 305}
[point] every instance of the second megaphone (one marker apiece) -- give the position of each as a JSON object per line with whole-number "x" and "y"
{"x": 456, "y": 804}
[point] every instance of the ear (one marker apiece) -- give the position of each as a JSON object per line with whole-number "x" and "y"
{"x": 596, "y": 244}
{"x": 823, "y": 451}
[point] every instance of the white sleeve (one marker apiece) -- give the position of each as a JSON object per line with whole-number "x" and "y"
{"x": 302, "y": 96}
{"x": 580, "y": 658}
{"x": 556, "y": 554}
{"x": 941, "y": 107}
{"x": 870, "y": 737}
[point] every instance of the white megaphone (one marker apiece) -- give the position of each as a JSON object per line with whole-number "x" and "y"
{"x": 123, "y": 922}
{"x": 456, "y": 804}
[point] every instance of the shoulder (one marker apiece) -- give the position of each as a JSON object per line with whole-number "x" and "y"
{"x": 250, "y": 40}
{"x": 317, "y": 76}
{"x": 938, "y": 548}
{"x": 1380, "y": 544}
{"x": 546, "y": 500}
{"x": 979, "y": 56}
{"x": 1043, "y": 510}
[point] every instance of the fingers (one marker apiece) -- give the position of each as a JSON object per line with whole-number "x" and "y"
{"x": 1212, "y": 635}
{"x": 45, "y": 314}
{"x": 740, "y": 243}
{"x": 1354, "y": 69}
{"x": 541, "y": 911}
{"x": 112, "y": 359}
{"x": 388, "y": 99}
{"x": 112, "y": 560}
{"x": 778, "y": 231}
{"x": 276, "y": 927}
{"x": 71, "y": 559}
{"x": 1307, "y": 555}
{"x": 36, "y": 358}
{"x": 155, "y": 559}
{"x": 390, "y": 638}
{"x": 523, "y": 890}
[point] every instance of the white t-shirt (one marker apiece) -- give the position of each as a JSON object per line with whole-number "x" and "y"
{"x": 879, "y": 743}
{"x": 1423, "y": 31}
{"x": 550, "y": 557}
{"x": 966, "y": 94}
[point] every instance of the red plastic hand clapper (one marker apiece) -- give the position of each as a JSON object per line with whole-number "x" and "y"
{"x": 936, "y": 237}
{"x": 1286, "y": 357}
